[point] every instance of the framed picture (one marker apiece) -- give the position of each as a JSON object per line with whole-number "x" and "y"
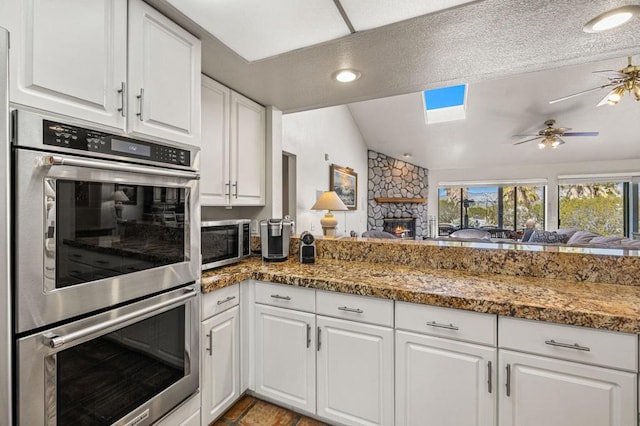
{"x": 131, "y": 191}
{"x": 344, "y": 181}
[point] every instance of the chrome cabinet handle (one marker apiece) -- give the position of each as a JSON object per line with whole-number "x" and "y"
{"x": 54, "y": 341}
{"x": 447, "y": 326}
{"x": 228, "y": 186}
{"x": 348, "y": 309}
{"x": 318, "y": 338}
{"x": 228, "y": 299}
{"x": 308, "y": 335}
{"x": 58, "y": 160}
{"x": 508, "y": 384}
{"x": 567, "y": 345}
{"x": 141, "y": 98}
{"x": 489, "y": 378}
{"x": 277, "y": 296}
{"x": 210, "y": 348}
{"x": 235, "y": 193}
{"x": 122, "y": 92}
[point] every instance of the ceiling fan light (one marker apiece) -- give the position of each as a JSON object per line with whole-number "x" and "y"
{"x": 541, "y": 145}
{"x": 636, "y": 91}
{"x": 555, "y": 143}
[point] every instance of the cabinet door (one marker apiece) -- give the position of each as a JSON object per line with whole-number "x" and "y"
{"x": 247, "y": 152}
{"x": 441, "y": 382}
{"x": 215, "y": 184}
{"x": 220, "y": 363}
{"x": 164, "y": 77}
{"x": 285, "y": 356}
{"x": 69, "y": 57}
{"x": 355, "y": 372}
{"x": 544, "y": 391}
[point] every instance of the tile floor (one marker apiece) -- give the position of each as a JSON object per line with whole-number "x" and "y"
{"x": 250, "y": 411}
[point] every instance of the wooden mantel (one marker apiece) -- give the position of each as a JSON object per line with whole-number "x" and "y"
{"x": 399, "y": 200}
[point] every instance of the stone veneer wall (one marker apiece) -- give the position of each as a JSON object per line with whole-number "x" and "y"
{"x": 390, "y": 177}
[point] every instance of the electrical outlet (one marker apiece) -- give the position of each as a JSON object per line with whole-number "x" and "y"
{"x": 313, "y": 227}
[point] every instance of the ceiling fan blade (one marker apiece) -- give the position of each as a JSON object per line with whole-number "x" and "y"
{"x": 611, "y": 74}
{"x": 581, "y": 134}
{"x": 605, "y": 100}
{"x": 528, "y": 140}
{"x": 562, "y": 142}
{"x": 523, "y": 136}
{"x": 561, "y": 130}
{"x": 564, "y": 98}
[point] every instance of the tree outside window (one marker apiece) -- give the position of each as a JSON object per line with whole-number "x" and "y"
{"x": 596, "y": 207}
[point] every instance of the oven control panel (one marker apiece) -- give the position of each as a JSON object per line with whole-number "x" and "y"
{"x": 81, "y": 139}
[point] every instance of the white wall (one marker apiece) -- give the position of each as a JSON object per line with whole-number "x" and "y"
{"x": 309, "y": 136}
{"x": 540, "y": 171}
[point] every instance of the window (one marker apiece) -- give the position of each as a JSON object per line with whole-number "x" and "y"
{"x": 594, "y": 206}
{"x": 501, "y": 207}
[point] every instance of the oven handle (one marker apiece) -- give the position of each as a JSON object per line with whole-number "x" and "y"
{"x": 55, "y": 342}
{"x": 57, "y": 160}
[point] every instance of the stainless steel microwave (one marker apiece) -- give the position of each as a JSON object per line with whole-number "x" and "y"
{"x": 223, "y": 242}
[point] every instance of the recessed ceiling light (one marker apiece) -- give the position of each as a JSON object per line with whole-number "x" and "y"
{"x": 347, "y": 75}
{"x": 406, "y": 155}
{"x": 611, "y": 19}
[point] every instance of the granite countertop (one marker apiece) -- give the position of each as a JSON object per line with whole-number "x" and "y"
{"x": 597, "y": 305}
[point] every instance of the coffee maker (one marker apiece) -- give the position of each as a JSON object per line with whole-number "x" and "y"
{"x": 274, "y": 238}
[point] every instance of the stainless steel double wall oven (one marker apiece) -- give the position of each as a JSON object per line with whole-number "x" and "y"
{"x": 106, "y": 274}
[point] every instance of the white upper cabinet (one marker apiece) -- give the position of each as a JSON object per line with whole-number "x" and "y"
{"x": 232, "y": 159}
{"x": 69, "y": 56}
{"x": 214, "y": 154}
{"x": 164, "y": 77}
{"x": 247, "y": 152}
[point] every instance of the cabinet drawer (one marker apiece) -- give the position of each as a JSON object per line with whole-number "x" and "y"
{"x": 356, "y": 308}
{"x": 286, "y": 296}
{"x": 447, "y": 322}
{"x": 220, "y": 300}
{"x": 586, "y": 345}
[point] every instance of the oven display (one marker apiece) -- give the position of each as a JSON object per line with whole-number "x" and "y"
{"x": 130, "y": 147}
{"x": 80, "y": 139}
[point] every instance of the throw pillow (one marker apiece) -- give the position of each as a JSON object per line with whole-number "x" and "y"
{"x": 546, "y": 237}
{"x": 582, "y": 237}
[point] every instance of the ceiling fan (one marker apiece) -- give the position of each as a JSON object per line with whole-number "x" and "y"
{"x": 552, "y": 136}
{"x": 625, "y": 80}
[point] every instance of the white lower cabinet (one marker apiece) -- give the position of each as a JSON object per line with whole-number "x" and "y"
{"x": 544, "y": 391}
{"x": 285, "y": 356}
{"x": 355, "y": 372}
{"x": 442, "y": 382}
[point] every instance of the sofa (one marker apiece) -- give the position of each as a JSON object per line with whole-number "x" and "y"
{"x": 572, "y": 237}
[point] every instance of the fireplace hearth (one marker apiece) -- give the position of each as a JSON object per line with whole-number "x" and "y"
{"x": 401, "y": 227}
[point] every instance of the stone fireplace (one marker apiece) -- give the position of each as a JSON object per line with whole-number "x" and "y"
{"x": 396, "y": 190}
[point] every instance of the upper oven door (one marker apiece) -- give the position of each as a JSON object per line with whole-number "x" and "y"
{"x": 92, "y": 233}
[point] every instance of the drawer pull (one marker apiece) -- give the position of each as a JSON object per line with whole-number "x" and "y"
{"x": 210, "y": 348}
{"x": 489, "y": 377}
{"x": 567, "y": 345}
{"x": 348, "y": 309}
{"x": 308, "y": 336}
{"x": 228, "y": 299}
{"x": 447, "y": 326}
{"x": 508, "y": 384}
{"x": 277, "y": 296}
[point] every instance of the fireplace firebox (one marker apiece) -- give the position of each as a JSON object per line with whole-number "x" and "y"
{"x": 401, "y": 227}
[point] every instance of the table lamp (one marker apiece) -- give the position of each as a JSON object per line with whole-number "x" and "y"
{"x": 329, "y": 201}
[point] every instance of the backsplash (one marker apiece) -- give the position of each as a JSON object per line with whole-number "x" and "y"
{"x": 550, "y": 262}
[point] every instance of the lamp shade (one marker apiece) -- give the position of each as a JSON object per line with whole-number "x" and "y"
{"x": 119, "y": 196}
{"x": 329, "y": 200}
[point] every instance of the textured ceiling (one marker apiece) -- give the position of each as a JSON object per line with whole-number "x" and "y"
{"x": 478, "y": 41}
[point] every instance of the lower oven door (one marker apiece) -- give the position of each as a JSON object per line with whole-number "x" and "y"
{"x": 127, "y": 366}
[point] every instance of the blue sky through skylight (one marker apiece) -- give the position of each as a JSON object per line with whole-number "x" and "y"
{"x": 444, "y": 97}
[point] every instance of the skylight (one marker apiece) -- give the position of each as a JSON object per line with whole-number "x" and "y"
{"x": 445, "y": 104}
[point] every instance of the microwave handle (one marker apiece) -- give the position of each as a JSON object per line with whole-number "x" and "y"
{"x": 57, "y": 160}
{"x": 55, "y": 341}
